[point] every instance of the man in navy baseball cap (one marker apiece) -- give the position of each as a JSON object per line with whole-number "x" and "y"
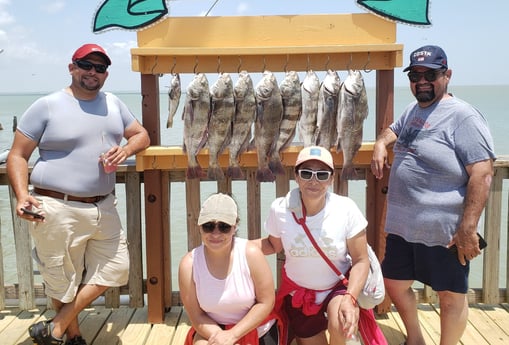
{"x": 428, "y": 56}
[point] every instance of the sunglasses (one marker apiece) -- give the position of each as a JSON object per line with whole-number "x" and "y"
{"x": 87, "y": 66}
{"x": 321, "y": 175}
{"x": 430, "y": 75}
{"x": 210, "y": 226}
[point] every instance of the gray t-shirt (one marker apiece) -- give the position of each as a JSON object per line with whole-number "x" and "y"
{"x": 428, "y": 178}
{"x": 71, "y": 135}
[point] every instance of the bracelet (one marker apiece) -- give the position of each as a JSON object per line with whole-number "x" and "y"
{"x": 354, "y": 300}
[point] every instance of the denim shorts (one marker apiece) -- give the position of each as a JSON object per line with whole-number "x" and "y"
{"x": 435, "y": 266}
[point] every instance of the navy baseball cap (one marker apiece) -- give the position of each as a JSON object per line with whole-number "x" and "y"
{"x": 428, "y": 56}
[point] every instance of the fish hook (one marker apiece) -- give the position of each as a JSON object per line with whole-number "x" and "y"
{"x": 307, "y": 66}
{"x": 350, "y": 63}
{"x": 327, "y": 63}
{"x": 285, "y": 67}
{"x": 218, "y": 65}
{"x": 195, "y": 64}
{"x": 155, "y": 65}
{"x": 264, "y": 65}
{"x": 240, "y": 64}
{"x": 174, "y": 64}
{"x": 366, "y": 65}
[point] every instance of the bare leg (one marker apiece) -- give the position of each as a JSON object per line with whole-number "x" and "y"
{"x": 403, "y": 297}
{"x": 453, "y": 316}
{"x": 66, "y": 320}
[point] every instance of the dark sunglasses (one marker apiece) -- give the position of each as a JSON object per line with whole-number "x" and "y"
{"x": 210, "y": 226}
{"x": 321, "y": 175}
{"x": 430, "y": 75}
{"x": 87, "y": 66}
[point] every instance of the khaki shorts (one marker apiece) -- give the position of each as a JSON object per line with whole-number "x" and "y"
{"x": 79, "y": 243}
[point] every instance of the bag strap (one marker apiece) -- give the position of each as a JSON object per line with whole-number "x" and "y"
{"x": 302, "y": 222}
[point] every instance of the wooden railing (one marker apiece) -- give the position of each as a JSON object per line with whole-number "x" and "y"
{"x": 256, "y": 198}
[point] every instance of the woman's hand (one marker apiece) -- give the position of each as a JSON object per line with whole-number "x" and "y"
{"x": 222, "y": 337}
{"x": 348, "y": 314}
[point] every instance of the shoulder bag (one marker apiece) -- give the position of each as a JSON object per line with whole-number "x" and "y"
{"x": 373, "y": 292}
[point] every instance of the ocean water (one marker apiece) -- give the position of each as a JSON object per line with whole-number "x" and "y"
{"x": 490, "y": 100}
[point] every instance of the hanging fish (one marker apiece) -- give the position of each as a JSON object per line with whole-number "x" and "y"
{"x": 196, "y": 118}
{"x": 222, "y": 110}
{"x": 310, "y": 90}
{"x": 327, "y": 110}
{"x": 351, "y": 115}
{"x": 174, "y": 93}
{"x": 269, "y": 111}
{"x": 292, "y": 108}
{"x": 245, "y": 112}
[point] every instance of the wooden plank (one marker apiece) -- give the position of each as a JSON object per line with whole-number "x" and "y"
{"x": 390, "y": 327}
{"x": 92, "y": 321}
{"x": 193, "y": 206}
{"x": 114, "y": 326}
{"x": 182, "y": 329}
{"x": 17, "y": 331}
{"x": 2, "y": 272}
{"x": 430, "y": 323}
{"x": 138, "y": 330}
{"x": 24, "y": 261}
{"x": 163, "y": 333}
{"x": 173, "y": 157}
{"x": 134, "y": 238}
{"x": 481, "y": 329}
{"x": 298, "y": 42}
{"x": 491, "y": 255}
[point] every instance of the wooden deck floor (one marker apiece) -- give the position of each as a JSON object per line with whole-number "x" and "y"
{"x": 488, "y": 325}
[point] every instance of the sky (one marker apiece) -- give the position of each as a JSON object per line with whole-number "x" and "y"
{"x": 38, "y": 38}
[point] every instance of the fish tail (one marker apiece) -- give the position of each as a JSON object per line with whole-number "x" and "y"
{"x": 194, "y": 172}
{"x": 215, "y": 173}
{"x": 265, "y": 175}
{"x": 276, "y": 166}
{"x": 349, "y": 173}
{"x": 235, "y": 172}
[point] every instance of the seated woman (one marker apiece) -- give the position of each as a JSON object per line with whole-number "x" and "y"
{"x": 226, "y": 284}
{"x": 312, "y": 295}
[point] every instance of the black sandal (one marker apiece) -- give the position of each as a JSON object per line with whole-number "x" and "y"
{"x": 40, "y": 333}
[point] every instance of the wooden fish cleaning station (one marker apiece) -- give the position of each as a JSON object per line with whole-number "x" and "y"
{"x": 252, "y": 43}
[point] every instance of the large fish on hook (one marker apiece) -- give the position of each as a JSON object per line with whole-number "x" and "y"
{"x": 310, "y": 90}
{"x": 328, "y": 102}
{"x": 292, "y": 108}
{"x": 222, "y": 110}
{"x": 196, "y": 119}
{"x": 245, "y": 112}
{"x": 351, "y": 115}
{"x": 269, "y": 111}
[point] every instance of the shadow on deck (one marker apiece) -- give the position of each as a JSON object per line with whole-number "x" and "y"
{"x": 488, "y": 325}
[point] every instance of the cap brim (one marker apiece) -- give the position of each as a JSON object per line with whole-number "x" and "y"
{"x": 428, "y": 65}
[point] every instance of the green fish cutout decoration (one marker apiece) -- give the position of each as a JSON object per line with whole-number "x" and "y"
{"x": 128, "y": 14}
{"x": 413, "y": 12}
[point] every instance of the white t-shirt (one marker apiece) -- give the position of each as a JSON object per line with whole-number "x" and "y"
{"x": 339, "y": 220}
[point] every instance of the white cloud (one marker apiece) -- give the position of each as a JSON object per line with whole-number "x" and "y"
{"x": 54, "y": 7}
{"x": 242, "y": 8}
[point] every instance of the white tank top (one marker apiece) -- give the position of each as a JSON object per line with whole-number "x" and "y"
{"x": 228, "y": 300}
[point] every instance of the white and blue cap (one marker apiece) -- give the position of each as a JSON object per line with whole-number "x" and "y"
{"x": 315, "y": 153}
{"x": 428, "y": 56}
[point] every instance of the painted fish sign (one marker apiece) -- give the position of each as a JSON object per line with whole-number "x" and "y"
{"x": 138, "y": 14}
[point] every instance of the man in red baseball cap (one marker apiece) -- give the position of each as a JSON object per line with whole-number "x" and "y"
{"x": 90, "y": 48}
{"x": 80, "y": 246}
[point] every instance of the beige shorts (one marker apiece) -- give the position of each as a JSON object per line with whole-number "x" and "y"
{"x": 79, "y": 243}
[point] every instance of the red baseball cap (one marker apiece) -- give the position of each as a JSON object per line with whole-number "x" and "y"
{"x": 90, "y": 48}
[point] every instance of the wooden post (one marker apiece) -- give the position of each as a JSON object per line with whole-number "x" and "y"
{"x": 156, "y": 225}
{"x": 376, "y": 202}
